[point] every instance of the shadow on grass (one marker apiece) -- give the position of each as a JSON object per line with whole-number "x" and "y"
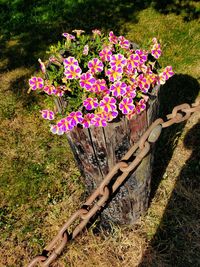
{"x": 179, "y": 89}
{"x": 186, "y": 8}
{"x": 179, "y": 233}
{"x": 32, "y": 26}
{"x": 177, "y": 237}
{"x": 35, "y": 25}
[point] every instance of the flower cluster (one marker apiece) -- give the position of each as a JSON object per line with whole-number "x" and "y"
{"x": 100, "y": 77}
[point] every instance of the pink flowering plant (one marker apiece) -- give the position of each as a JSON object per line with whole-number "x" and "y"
{"x": 101, "y": 78}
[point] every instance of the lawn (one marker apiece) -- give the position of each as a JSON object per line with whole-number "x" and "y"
{"x": 40, "y": 183}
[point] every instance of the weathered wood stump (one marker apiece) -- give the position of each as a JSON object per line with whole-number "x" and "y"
{"x": 97, "y": 150}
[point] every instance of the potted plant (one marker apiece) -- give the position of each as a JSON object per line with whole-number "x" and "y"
{"x": 105, "y": 90}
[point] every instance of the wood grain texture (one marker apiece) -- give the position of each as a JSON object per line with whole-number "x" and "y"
{"x": 97, "y": 150}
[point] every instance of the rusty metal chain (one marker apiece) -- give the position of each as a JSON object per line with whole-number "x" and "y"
{"x": 97, "y": 200}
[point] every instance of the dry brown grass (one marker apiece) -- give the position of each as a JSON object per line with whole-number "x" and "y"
{"x": 124, "y": 246}
{"x": 40, "y": 185}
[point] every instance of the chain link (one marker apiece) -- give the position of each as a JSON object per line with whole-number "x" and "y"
{"x": 97, "y": 200}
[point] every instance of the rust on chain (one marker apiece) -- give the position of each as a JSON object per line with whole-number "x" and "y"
{"x": 196, "y": 103}
{"x": 97, "y": 206}
{"x": 97, "y": 200}
{"x": 195, "y": 107}
{"x": 131, "y": 152}
{"x": 143, "y": 152}
{"x": 36, "y": 260}
{"x": 172, "y": 121}
{"x": 63, "y": 229}
{"x": 179, "y": 108}
{"x": 177, "y": 115}
{"x": 56, "y": 252}
{"x": 111, "y": 174}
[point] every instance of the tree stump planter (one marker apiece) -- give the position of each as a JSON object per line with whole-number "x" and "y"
{"x": 97, "y": 150}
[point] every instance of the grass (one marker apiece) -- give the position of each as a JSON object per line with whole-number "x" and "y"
{"x": 40, "y": 184}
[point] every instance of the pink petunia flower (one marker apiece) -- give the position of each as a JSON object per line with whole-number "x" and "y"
{"x": 151, "y": 77}
{"x": 75, "y": 117}
{"x": 168, "y": 72}
{"x": 105, "y": 93}
{"x": 112, "y": 38}
{"x": 59, "y": 91}
{"x": 149, "y": 72}
{"x": 164, "y": 76}
{"x": 54, "y": 60}
{"x": 126, "y": 105}
{"x": 141, "y": 105}
{"x": 145, "y": 98}
{"x": 87, "y": 81}
{"x": 50, "y": 89}
{"x": 142, "y": 55}
{"x": 130, "y": 73}
{"x": 70, "y": 61}
{"x": 95, "y": 65}
{"x": 118, "y": 89}
{"x": 56, "y": 130}
{"x": 99, "y": 121}
{"x": 154, "y": 40}
{"x": 36, "y": 83}
{"x": 105, "y": 54}
{"x": 108, "y": 104}
{"x": 114, "y": 73}
{"x": 109, "y": 46}
{"x": 132, "y": 114}
{"x": 65, "y": 125}
{"x": 90, "y": 103}
{"x": 42, "y": 66}
{"x": 133, "y": 61}
{"x": 133, "y": 82}
{"x": 142, "y": 68}
{"x": 47, "y": 114}
{"x": 143, "y": 83}
{"x": 78, "y": 32}
{"x": 156, "y": 51}
{"x": 73, "y": 72}
{"x": 111, "y": 115}
{"x": 96, "y": 32}
{"x": 160, "y": 79}
{"x": 68, "y": 36}
{"x": 123, "y": 42}
{"x": 86, "y": 122}
{"x": 130, "y": 92}
{"x": 118, "y": 60}
{"x": 102, "y": 114}
{"x": 86, "y": 50}
{"x": 100, "y": 86}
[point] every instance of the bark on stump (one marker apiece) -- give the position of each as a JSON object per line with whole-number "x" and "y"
{"x": 97, "y": 150}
